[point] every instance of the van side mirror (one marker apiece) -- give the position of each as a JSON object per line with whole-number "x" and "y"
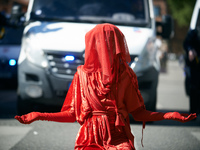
{"x": 166, "y": 27}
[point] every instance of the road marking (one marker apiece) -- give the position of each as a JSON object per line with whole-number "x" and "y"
{"x": 196, "y": 134}
{"x": 11, "y": 135}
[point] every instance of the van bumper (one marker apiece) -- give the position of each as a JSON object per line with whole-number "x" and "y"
{"x": 53, "y": 89}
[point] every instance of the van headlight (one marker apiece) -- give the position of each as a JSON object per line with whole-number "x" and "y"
{"x": 32, "y": 51}
{"x": 148, "y": 58}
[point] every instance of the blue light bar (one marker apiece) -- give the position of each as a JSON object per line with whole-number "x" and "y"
{"x": 69, "y": 58}
{"x": 12, "y": 62}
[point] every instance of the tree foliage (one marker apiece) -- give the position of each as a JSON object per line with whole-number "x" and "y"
{"x": 181, "y": 11}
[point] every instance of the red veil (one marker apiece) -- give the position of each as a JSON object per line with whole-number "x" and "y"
{"x": 106, "y": 50}
{"x": 105, "y": 44}
{"x": 106, "y": 53}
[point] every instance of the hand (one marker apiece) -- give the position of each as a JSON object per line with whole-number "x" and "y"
{"x": 28, "y": 118}
{"x": 192, "y": 54}
{"x": 179, "y": 117}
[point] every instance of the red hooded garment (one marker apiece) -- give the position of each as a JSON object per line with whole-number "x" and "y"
{"x": 104, "y": 90}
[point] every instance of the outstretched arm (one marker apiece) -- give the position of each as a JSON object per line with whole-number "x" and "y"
{"x": 64, "y": 116}
{"x": 141, "y": 114}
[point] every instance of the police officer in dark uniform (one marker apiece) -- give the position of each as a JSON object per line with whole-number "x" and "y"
{"x": 192, "y": 47}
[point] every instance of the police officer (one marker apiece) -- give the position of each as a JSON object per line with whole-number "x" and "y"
{"x": 192, "y": 48}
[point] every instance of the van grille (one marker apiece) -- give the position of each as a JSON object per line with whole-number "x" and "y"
{"x": 59, "y": 66}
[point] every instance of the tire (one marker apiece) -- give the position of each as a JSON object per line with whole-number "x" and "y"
{"x": 151, "y": 105}
{"x": 24, "y": 106}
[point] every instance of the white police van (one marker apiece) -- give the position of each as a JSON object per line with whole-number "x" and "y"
{"x": 53, "y": 46}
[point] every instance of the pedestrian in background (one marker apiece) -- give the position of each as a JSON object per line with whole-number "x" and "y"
{"x": 192, "y": 48}
{"x": 103, "y": 92}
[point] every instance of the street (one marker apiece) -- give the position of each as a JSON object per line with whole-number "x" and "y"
{"x": 161, "y": 135}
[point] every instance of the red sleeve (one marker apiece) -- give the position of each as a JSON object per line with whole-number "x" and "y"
{"x": 133, "y": 100}
{"x": 68, "y": 103}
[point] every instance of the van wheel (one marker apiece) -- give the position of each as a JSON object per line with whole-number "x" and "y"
{"x": 152, "y": 106}
{"x": 23, "y": 106}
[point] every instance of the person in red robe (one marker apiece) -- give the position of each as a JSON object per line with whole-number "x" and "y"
{"x": 102, "y": 94}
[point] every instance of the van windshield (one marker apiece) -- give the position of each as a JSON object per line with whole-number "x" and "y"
{"x": 119, "y": 12}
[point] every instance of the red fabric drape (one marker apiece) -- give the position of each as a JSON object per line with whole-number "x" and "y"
{"x": 106, "y": 58}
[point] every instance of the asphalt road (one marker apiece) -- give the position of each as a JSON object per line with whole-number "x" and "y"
{"x": 161, "y": 135}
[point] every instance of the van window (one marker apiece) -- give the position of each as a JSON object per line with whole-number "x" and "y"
{"x": 119, "y": 12}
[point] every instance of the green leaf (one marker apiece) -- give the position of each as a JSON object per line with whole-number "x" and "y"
{"x": 181, "y": 11}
